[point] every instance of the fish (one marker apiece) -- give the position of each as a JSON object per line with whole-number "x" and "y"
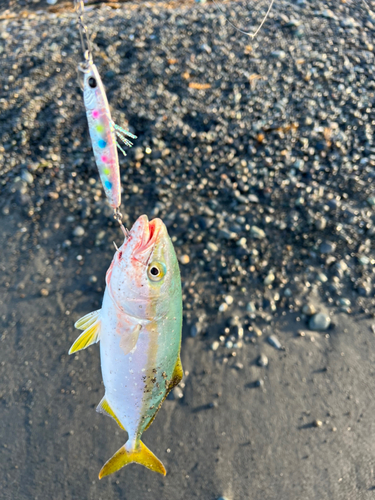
{"x": 139, "y": 329}
{"x": 103, "y": 132}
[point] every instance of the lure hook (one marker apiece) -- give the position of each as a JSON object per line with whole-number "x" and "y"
{"x": 117, "y": 215}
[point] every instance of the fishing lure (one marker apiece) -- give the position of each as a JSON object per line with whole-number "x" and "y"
{"x": 103, "y": 131}
{"x": 139, "y": 329}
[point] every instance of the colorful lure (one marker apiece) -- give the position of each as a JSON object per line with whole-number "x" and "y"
{"x": 103, "y": 132}
{"x": 139, "y": 328}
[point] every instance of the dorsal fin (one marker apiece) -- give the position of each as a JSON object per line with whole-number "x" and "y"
{"x": 105, "y": 408}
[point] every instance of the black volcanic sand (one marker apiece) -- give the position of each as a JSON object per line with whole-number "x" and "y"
{"x": 265, "y": 181}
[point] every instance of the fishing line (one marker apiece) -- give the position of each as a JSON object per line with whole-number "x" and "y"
{"x": 248, "y": 33}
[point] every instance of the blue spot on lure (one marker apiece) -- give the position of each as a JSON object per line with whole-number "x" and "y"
{"x": 103, "y": 131}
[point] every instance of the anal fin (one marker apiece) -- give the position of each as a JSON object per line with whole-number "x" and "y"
{"x": 176, "y": 378}
{"x": 105, "y": 408}
{"x": 88, "y": 337}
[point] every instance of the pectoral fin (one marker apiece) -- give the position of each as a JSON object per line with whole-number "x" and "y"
{"x": 87, "y": 320}
{"x": 129, "y": 339}
{"x": 88, "y": 337}
{"x": 105, "y": 408}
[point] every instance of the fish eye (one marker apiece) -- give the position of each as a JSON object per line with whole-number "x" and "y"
{"x": 92, "y": 82}
{"x": 156, "y": 271}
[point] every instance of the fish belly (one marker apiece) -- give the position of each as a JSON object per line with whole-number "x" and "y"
{"x": 136, "y": 383}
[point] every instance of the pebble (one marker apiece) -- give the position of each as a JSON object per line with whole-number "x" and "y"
{"x": 321, "y": 223}
{"x": 224, "y": 234}
{"x": 278, "y": 54}
{"x": 348, "y": 22}
{"x": 44, "y": 292}
{"x": 257, "y": 233}
{"x": 327, "y": 247}
{"x": 27, "y": 177}
{"x": 223, "y": 307}
{"x": 212, "y": 247}
{"x": 318, "y": 423}
{"x": 363, "y": 260}
{"x": 319, "y": 322}
{"x": 341, "y": 266}
{"x": 309, "y": 309}
{"x": 254, "y": 199}
{"x": 138, "y": 153}
{"x": 78, "y": 231}
{"x": 259, "y": 383}
{"x": 215, "y": 345}
{"x": 250, "y": 307}
{"x": 270, "y": 278}
{"x": 262, "y": 360}
{"x": 322, "y": 277}
{"x": 184, "y": 259}
{"x": 274, "y": 342}
{"x": 257, "y": 331}
{"x": 194, "y": 330}
{"x": 344, "y": 302}
{"x": 229, "y": 299}
{"x": 177, "y": 393}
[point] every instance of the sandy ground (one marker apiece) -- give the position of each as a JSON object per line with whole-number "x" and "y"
{"x": 225, "y": 437}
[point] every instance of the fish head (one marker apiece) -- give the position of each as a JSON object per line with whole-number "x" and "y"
{"x": 90, "y": 82}
{"x": 144, "y": 275}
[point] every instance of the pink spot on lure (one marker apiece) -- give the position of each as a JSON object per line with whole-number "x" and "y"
{"x": 105, "y": 159}
{"x": 95, "y": 114}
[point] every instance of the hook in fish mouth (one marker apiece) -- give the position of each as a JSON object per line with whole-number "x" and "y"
{"x": 140, "y": 241}
{"x": 149, "y": 232}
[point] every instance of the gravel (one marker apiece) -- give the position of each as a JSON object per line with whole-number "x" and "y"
{"x": 274, "y": 342}
{"x": 319, "y": 322}
{"x": 259, "y": 158}
{"x": 262, "y": 360}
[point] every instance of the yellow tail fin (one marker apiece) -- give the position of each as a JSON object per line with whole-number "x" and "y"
{"x": 142, "y": 455}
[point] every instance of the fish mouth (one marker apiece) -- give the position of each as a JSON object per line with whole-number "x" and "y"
{"x": 147, "y": 233}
